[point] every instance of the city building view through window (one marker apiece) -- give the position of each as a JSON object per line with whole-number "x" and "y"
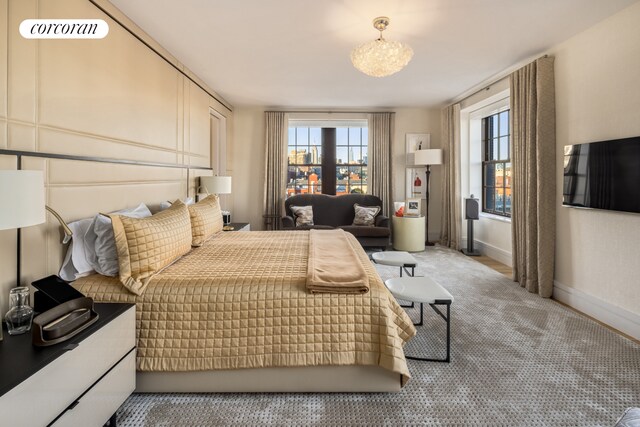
{"x": 327, "y": 160}
{"x": 496, "y": 164}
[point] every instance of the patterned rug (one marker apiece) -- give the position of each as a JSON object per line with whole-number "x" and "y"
{"x": 517, "y": 360}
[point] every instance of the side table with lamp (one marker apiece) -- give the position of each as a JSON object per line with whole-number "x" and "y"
{"x": 427, "y": 158}
{"x": 22, "y": 193}
{"x": 82, "y": 381}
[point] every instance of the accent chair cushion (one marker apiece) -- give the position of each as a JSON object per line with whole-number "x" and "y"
{"x": 206, "y": 219}
{"x": 303, "y": 214}
{"x": 365, "y": 215}
{"x": 147, "y": 245}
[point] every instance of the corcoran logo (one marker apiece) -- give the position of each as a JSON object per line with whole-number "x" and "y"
{"x": 64, "y": 29}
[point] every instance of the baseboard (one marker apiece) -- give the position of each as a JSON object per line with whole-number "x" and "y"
{"x": 609, "y": 314}
{"x": 491, "y": 251}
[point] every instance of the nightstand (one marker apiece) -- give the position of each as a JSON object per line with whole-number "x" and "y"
{"x": 408, "y": 233}
{"x": 79, "y": 382}
{"x": 240, "y": 226}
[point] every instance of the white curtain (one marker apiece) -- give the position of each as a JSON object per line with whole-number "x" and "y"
{"x": 381, "y": 128}
{"x": 533, "y": 139}
{"x": 275, "y": 168}
{"x": 451, "y": 210}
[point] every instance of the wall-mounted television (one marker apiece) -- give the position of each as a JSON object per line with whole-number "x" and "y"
{"x": 603, "y": 175}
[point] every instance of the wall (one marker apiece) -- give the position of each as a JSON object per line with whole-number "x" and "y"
{"x": 598, "y": 98}
{"x": 248, "y": 164}
{"x": 110, "y": 98}
{"x": 418, "y": 120}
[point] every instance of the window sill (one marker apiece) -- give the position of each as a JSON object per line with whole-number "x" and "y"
{"x": 495, "y": 217}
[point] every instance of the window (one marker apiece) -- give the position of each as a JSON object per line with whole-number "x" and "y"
{"x": 327, "y": 160}
{"x": 496, "y": 164}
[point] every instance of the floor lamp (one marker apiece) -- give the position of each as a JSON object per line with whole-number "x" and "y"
{"x": 427, "y": 158}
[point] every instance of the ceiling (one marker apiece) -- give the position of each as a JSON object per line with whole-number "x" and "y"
{"x": 295, "y": 53}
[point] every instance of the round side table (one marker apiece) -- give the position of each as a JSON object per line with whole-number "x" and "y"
{"x": 408, "y": 233}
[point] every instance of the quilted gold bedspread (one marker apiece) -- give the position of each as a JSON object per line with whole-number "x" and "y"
{"x": 240, "y": 301}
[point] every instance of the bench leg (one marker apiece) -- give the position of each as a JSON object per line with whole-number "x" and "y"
{"x": 447, "y": 319}
{"x": 412, "y": 274}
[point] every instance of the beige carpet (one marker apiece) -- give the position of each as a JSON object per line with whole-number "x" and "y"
{"x": 517, "y": 360}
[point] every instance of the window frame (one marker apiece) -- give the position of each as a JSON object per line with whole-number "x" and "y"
{"x": 489, "y": 135}
{"x": 328, "y": 165}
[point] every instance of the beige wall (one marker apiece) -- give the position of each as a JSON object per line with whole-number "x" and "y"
{"x": 248, "y": 163}
{"x": 109, "y": 98}
{"x": 598, "y": 98}
{"x": 418, "y": 120}
{"x": 248, "y": 166}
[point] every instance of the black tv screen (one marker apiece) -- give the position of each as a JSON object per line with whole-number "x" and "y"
{"x": 603, "y": 175}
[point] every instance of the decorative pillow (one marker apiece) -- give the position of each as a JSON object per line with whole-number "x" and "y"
{"x": 100, "y": 245}
{"x": 303, "y": 214}
{"x": 365, "y": 215}
{"x": 76, "y": 264}
{"x": 147, "y": 245}
{"x": 206, "y": 219}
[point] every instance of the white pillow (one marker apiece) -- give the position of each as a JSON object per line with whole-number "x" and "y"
{"x": 104, "y": 258}
{"x": 165, "y": 205}
{"x": 76, "y": 264}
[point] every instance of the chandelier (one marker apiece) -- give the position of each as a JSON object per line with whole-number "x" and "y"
{"x": 381, "y": 58}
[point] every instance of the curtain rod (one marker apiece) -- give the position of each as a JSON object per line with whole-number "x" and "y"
{"x": 328, "y": 112}
{"x": 502, "y": 75}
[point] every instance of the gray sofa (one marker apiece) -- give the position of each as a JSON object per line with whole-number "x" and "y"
{"x": 331, "y": 212}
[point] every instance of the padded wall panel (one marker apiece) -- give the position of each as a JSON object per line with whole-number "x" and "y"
{"x": 199, "y": 134}
{"x": 200, "y": 161}
{"x": 7, "y": 249}
{"x": 4, "y": 4}
{"x": 21, "y": 136}
{"x": 22, "y": 63}
{"x": 119, "y": 89}
{"x": 79, "y": 144}
{"x": 182, "y": 141}
{"x": 3, "y": 133}
{"x": 81, "y": 189}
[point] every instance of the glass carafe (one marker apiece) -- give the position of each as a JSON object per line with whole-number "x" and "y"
{"x": 20, "y": 313}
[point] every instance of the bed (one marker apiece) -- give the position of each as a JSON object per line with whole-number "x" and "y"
{"x": 235, "y": 315}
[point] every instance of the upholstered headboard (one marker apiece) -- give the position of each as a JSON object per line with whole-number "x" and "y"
{"x": 81, "y": 188}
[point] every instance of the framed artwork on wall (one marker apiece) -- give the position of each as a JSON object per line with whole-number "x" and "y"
{"x": 415, "y": 185}
{"x": 415, "y": 142}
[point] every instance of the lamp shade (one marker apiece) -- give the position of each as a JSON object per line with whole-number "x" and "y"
{"x": 215, "y": 184}
{"x": 22, "y": 198}
{"x": 428, "y": 157}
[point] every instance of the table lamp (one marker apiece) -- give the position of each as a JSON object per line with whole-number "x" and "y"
{"x": 23, "y": 204}
{"x": 216, "y": 185}
{"x": 427, "y": 158}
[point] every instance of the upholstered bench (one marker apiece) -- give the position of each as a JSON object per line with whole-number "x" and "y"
{"x": 424, "y": 290}
{"x": 404, "y": 260}
{"x": 630, "y": 418}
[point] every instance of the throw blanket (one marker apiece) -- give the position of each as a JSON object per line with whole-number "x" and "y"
{"x": 334, "y": 266}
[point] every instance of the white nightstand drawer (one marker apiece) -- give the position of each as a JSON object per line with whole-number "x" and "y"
{"x": 61, "y": 382}
{"x": 103, "y": 399}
